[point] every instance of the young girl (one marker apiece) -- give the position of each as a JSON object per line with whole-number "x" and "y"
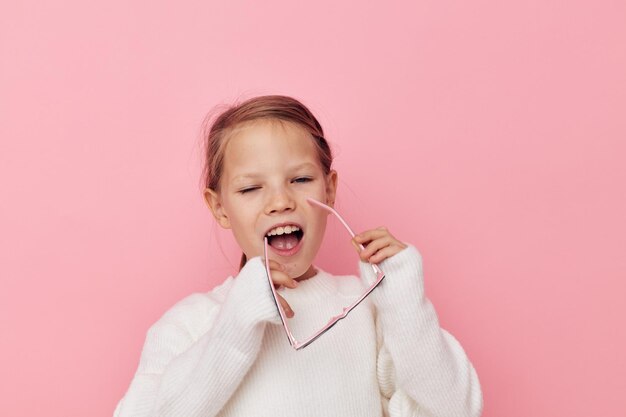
{"x": 224, "y": 352}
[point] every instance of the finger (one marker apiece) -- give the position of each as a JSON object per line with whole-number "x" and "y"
{"x": 375, "y": 246}
{"x": 276, "y": 269}
{"x": 285, "y": 305}
{"x": 281, "y": 278}
{"x": 369, "y": 235}
{"x": 383, "y": 254}
{"x": 276, "y": 265}
{"x": 356, "y": 246}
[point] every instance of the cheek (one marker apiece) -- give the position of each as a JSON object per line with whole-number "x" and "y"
{"x": 320, "y": 225}
{"x": 242, "y": 229}
{"x": 319, "y": 194}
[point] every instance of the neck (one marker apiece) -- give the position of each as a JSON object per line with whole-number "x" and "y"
{"x": 308, "y": 274}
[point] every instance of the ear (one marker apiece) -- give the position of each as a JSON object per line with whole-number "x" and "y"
{"x": 213, "y": 201}
{"x": 331, "y": 188}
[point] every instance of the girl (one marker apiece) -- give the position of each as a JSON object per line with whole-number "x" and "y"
{"x": 224, "y": 352}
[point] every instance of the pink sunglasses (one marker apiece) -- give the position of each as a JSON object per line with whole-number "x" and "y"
{"x": 301, "y": 344}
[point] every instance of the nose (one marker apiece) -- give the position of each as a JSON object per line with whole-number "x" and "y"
{"x": 279, "y": 201}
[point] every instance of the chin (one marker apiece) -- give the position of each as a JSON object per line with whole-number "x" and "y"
{"x": 298, "y": 270}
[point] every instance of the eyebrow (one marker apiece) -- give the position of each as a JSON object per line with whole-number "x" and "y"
{"x": 257, "y": 175}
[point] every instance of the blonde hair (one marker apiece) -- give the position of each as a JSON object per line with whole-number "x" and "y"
{"x": 215, "y": 133}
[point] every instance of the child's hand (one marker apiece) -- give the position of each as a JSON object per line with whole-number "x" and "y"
{"x": 379, "y": 245}
{"x": 280, "y": 277}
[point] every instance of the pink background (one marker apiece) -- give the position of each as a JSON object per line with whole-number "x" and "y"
{"x": 491, "y": 132}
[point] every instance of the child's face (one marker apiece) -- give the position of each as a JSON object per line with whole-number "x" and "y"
{"x": 273, "y": 151}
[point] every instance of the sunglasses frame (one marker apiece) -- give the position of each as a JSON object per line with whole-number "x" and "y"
{"x": 301, "y": 344}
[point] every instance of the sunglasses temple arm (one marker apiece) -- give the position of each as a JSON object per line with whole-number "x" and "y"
{"x": 290, "y": 337}
{"x": 375, "y": 267}
{"x": 333, "y": 211}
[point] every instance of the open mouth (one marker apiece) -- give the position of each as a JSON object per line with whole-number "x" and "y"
{"x": 286, "y": 241}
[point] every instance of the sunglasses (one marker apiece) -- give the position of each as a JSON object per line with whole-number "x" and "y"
{"x": 301, "y": 344}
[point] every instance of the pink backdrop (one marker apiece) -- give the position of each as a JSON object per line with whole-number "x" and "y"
{"x": 492, "y": 132}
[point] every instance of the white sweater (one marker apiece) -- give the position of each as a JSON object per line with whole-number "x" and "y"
{"x": 225, "y": 352}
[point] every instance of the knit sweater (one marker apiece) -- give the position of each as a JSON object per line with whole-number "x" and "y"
{"x": 225, "y": 352}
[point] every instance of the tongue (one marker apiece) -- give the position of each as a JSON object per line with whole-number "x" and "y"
{"x": 284, "y": 242}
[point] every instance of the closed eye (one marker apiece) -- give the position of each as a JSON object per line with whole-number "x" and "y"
{"x": 301, "y": 180}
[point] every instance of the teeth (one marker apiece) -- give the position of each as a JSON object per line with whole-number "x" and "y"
{"x": 281, "y": 230}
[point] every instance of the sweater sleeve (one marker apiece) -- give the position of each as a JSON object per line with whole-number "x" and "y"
{"x": 422, "y": 369}
{"x": 191, "y": 366}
